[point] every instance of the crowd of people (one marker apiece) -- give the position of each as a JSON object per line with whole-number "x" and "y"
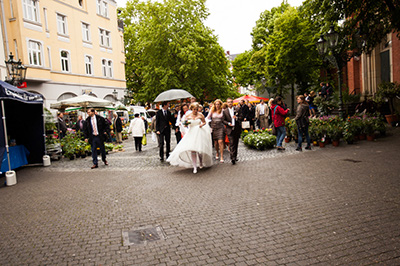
{"x": 219, "y": 125}
{"x": 198, "y": 129}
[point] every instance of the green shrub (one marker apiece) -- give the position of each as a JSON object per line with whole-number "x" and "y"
{"x": 260, "y": 141}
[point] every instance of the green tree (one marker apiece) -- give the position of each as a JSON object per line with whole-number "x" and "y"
{"x": 243, "y": 71}
{"x": 249, "y": 68}
{"x": 288, "y": 55}
{"x": 366, "y": 21}
{"x": 168, "y": 46}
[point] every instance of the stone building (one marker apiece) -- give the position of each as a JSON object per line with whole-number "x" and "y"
{"x": 70, "y": 47}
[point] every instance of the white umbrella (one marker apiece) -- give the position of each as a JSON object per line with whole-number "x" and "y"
{"x": 81, "y": 101}
{"x": 173, "y": 94}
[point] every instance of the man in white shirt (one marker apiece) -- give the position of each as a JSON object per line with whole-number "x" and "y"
{"x": 262, "y": 112}
{"x": 232, "y": 118}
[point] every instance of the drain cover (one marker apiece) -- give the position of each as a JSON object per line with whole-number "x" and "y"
{"x": 351, "y": 160}
{"x": 143, "y": 235}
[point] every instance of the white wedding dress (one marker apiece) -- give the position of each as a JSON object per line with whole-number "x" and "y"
{"x": 197, "y": 139}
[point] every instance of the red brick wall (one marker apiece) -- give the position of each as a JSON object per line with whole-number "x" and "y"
{"x": 396, "y": 57}
{"x": 354, "y": 76}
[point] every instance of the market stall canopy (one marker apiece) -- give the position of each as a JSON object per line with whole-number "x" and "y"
{"x": 118, "y": 106}
{"x": 9, "y": 92}
{"x": 86, "y": 101}
{"x": 251, "y": 98}
{"x": 174, "y": 94}
{"x": 22, "y": 114}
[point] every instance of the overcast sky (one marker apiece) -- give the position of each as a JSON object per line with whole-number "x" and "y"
{"x": 233, "y": 20}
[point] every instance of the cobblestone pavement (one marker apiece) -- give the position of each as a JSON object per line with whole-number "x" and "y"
{"x": 325, "y": 206}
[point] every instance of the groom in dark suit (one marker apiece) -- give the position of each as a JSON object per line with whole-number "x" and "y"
{"x": 232, "y": 118}
{"x": 96, "y": 132}
{"x": 164, "y": 120}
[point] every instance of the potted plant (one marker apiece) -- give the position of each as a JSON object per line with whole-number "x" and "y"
{"x": 348, "y": 131}
{"x": 288, "y": 123}
{"x": 387, "y": 92}
{"x": 334, "y": 132}
{"x": 369, "y": 127}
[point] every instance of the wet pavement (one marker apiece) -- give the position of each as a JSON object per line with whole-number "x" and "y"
{"x": 333, "y": 205}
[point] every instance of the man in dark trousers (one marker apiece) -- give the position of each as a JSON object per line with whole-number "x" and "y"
{"x": 164, "y": 120}
{"x": 96, "y": 131}
{"x": 117, "y": 127}
{"x": 61, "y": 125}
{"x": 232, "y": 118}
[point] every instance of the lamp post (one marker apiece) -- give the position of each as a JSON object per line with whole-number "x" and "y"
{"x": 329, "y": 41}
{"x": 16, "y": 72}
{"x": 115, "y": 94}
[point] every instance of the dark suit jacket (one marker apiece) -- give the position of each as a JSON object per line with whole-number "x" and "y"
{"x": 245, "y": 112}
{"x": 236, "y": 130}
{"x": 102, "y": 127}
{"x": 78, "y": 127}
{"x": 61, "y": 125}
{"x": 117, "y": 125}
{"x": 162, "y": 121}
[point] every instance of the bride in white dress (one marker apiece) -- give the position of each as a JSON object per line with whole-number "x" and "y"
{"x": 195, "y": 148}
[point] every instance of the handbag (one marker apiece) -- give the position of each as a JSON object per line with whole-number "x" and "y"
{"x": 153, "y": 136}
{"x": 245, "y": 124}
{"x": 272, "y": 126}
{"x": 144, "y": 140}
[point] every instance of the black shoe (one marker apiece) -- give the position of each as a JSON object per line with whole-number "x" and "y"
{"x": 94, "y": 166}
{"x": 162, "y": 159}
{"x": 233, "y": 162}
{"x": 308, "y": 148}
{"x": 236, "y": 159}
{"x": 298, "y": 149}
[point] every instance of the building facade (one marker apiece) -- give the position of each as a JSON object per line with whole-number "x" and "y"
{"x": 70, "y": 47}
{"x": 364, "y": 74}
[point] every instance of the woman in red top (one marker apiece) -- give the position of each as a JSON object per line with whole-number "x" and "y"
{"x": 278, "y": 116}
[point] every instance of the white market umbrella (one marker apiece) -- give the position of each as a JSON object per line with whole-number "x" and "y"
{"x": 85, "y": 101}
{"x": 174, "y": 94}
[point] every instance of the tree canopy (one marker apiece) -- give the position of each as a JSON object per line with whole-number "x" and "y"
{"x": 370, "y": 20}
{"x": 284, "y": 52}
{"x": 168, "y": 47}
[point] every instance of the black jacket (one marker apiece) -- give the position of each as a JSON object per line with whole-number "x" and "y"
{"x": 102, "y": 127}
{"x": 117, "y": 125}
{"x": 162, "y": 121}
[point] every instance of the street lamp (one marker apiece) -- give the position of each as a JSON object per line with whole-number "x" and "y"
{"x": 331, "y": 41}
{"x": 115, "y": 93}
{"x": 16, "y": 71}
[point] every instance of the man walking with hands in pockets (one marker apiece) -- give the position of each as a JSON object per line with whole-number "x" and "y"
{"x": 232, "y": 118}
{"x": 96, "y": 133}
{"x": 163, "y": 129}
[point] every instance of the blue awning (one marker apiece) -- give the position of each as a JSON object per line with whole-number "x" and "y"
{"x": 9, "y": 92}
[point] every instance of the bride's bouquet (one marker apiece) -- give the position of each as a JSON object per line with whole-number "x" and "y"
{"x": 186, "y": 122}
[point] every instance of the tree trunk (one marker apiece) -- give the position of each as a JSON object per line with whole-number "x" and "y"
{"x": 292, "y": 108}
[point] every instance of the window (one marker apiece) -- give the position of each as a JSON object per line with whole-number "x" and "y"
{"x": 102, "y": 8}
{"x": 104, "y": 67}
{"x": 35, "y": 53}
{"x": 85, "y": 32}
{"x": 107, "y": 68}
{"x": 105, "y": 38}
{"x": 45, "y": 19}
{"x": 65, "y": 66}
{"x": 88, "y": 65}
{"x": 30, "y": 9}
{"x": 105, "y": 8}
{"x": 62, "y": 24}
{"x": 110, "y": 69}
{"x": 99, "y": 7}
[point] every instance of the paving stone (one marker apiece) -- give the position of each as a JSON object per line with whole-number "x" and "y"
{"x": 270, "y": 208}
